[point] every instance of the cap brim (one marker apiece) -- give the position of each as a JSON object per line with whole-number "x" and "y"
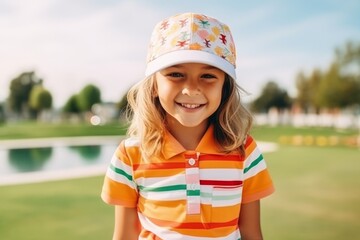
{"x": 189, "y": 56}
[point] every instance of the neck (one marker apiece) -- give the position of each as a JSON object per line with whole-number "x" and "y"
{"x": 188, "y": 137}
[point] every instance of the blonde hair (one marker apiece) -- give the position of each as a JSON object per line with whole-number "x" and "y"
{"x": 232, "y": 121}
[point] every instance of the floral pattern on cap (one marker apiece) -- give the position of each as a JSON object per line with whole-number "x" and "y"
{"x": 190, "y": 31}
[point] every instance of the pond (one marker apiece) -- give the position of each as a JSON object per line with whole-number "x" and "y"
{"x": 34, "y": 164}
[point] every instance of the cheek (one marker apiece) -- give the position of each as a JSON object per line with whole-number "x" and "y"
{"x": 216, "y": 94}
{"x": 163, "y": 91}
{"x": 161, "y": 86}
{"x": 164, "y": 94}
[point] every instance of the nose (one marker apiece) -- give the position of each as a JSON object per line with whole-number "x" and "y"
{"x": 191, "y": 88}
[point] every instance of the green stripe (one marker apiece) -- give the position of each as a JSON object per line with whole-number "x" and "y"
{"x": 193, "y": 193}
{"x": 254, "y": 163}
{"x": 121, "y": 172}
{"x": 228, "y": 197}
{"x": 163, "y": 189}
{"x": 205, "y": 195}
{"x": 209, "y": 195}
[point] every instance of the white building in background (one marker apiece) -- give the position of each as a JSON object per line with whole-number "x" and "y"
{"x": 339, "y": 119}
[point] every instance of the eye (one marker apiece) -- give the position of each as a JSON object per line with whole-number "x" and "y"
{"x": 208, "y": 76}
{"x": 175, "y": 75}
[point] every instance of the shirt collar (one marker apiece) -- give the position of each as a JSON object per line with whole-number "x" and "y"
{"x": 206, "y": 145}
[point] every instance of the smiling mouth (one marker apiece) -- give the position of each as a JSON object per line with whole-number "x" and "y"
{"x": 190, "y": 106}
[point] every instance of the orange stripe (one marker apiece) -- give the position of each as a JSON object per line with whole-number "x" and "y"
{"x": 121, "y": 155}
{"x": 175, "y": 211}
{"x": 166, "y": 210}
{"x": 250, "y": 148}
{"x": 249, "y": 140}
{"x": 158, "y": 173}
{"x": 225, "y": 214}
{"x": 124, "y": 195}
{"x": 221, "y": 164}
{"x": 193, "y": 225}
{"x": 158, "y": 166}
{"x": 208, "y": 233}
{"x": 217, "y": 157}
{"x": 259, "y": 195}
{"x": 262, "y": 184}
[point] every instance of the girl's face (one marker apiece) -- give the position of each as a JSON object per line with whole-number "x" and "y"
{"x": 190, "y": 93}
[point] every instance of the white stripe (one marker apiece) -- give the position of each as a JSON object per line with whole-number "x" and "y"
{"x": 167, "y": 234}
{"x": 226, "y": 203}
{"x": 255, "y": 170}
{"x": 208, "y": 191}
{"x": 118, "y": 163}
{"x": 252, "y": 157}
{"x": 194, "y": 170}
{"x": 164, "y": 196}
{"x": 120, "y": 178}
{"x": 226, "y": 192}
{"x": 223, "y": 174}
{"x": 161, "y": 181}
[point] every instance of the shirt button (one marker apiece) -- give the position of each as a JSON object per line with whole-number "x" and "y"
{"x": 191, "y": 161}
{"x": 193, "y": 186}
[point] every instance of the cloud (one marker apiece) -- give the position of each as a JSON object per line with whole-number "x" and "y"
{"x": 104, "y": 47}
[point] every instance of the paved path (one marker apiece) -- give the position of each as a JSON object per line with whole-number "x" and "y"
{"x": 87, "y": 171}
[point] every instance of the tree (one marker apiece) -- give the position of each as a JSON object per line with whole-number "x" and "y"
{"x": 271, "y": 96}
{"x": 2, "y": 113}
{"x": 122, "y": 105}
{"x": 71, "y": 105}
{"x": 336, "y": 87}
{"x": 40, "y": 99}
{"x": 303, "y": 91}
{"x": 340, "y": 87}
{"x": 20, "y": 88}
{"x": 308, "y": 87}
{"x": 87, "y": 97}
{"x": 329, "y": 93}
{"x": 348, "y": 59}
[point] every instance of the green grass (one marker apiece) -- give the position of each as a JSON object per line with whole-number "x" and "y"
{"x": 268, "y": 133}
{"x": 317, "y": 195}
{"x": 55, "y": 210}
{"x": 42, "y": 130}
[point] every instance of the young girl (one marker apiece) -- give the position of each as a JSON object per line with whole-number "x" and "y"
{"x": 189, "y": 169}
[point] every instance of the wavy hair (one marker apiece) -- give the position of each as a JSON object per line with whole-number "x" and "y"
{"x": 232, "y": 121}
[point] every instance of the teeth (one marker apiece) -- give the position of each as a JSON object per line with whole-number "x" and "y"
{"x": 187, "y": 105}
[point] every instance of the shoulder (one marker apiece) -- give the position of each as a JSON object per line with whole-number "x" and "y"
{"x": 249, "y": 140}
{"x": 251, "y": 146}
{"x": 130, "y": 148}
{"x": 131, "y": 142}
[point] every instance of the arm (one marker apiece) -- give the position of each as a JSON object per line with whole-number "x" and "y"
{"x": 126, "y": 224}
{"x": 249, "y": 221}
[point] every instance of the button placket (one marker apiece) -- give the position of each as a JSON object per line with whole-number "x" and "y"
{"x": 192, "y": 183}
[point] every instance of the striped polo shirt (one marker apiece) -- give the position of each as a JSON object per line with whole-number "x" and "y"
{"x": 187, "y": 194}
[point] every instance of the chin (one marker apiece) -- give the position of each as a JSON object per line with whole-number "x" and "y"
{"x": 191, "y": 124}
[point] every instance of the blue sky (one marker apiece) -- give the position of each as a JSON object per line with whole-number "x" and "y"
{"x": 72, "y": 43}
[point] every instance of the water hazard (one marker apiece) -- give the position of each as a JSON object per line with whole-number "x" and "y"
{"x": 23, "y": 165}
